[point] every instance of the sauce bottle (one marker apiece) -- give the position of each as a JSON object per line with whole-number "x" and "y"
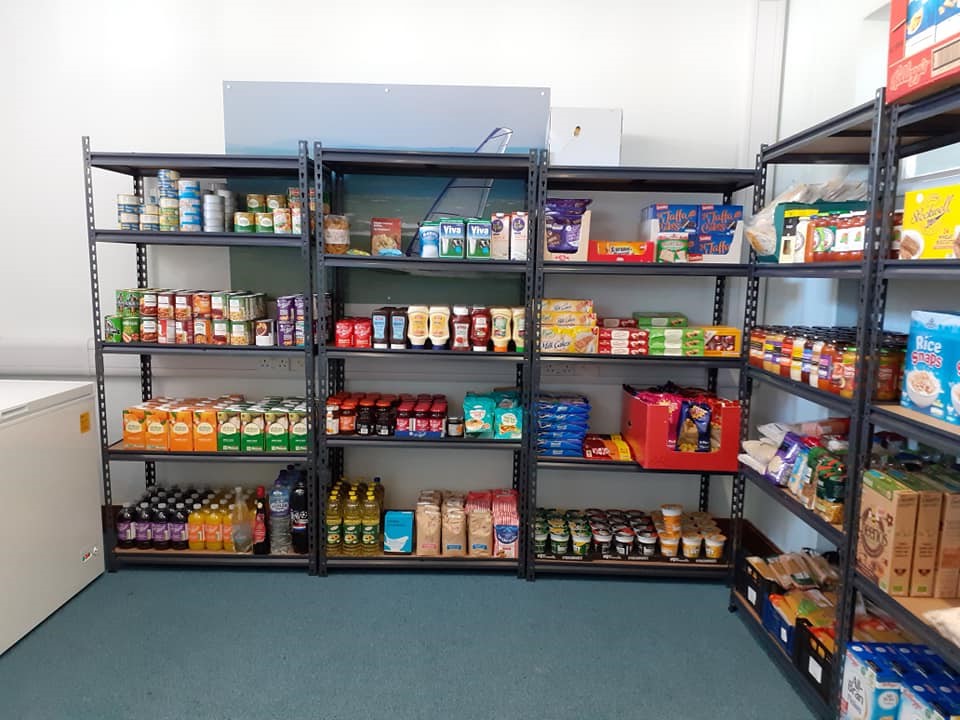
{"x": 479, "y": 328}
{"x": 383, "y": 425}
{"x": 460, "y": 326}
{"x": 398, "y": 328}
{"x": 500, "y": 328}
{"x": 380, "y": 318}
{"x": 519, "y": 327}
{"x": 827, "y": 357}
{"x": 261, "y": 531}
{"x": 418, "y": 317}
{"x": 785, "y": 357}
{"x": 439, "y": 326}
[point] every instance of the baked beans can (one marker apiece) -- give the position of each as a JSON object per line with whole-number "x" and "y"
{"x": 343, "y": 333}
{"x": 286, "y": 308}
{"x": 183, "y": 308}
{"x": 202, "y": 330}
{"x": 281, "y": 220}
{"x": 131, "y": 329}
{"x": 275, "y": 202}
{"x": 148, "y": 303}
{"x": 264, "y": 332}
{"x": 166, "y": 302}
{"x": 128, "y": 302}
{"x": 184, "y": 331}
{"x": 113, "y": 329}
{"x": 202, "y": 305}
{"x": 286, "y": 334}
{"x": 241, "y": 332}
{"x": 219, "y": 305}
{"x": 264, "y": 222}
{"x": 363, "y": 333}
{"x": 148, "y": 329}
{"x": 221, "y": 331}
{"x": 244, "y": 222}
{"x": 166, "y": 331}
{"x": 256, "y": 203}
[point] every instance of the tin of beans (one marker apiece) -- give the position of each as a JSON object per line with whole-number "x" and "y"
{"x": 202, "y": 330}
{"x": 202, "y": 305}
{"x": 281, "y": 220}
{"x": 219, "y": 305}
{"x": 221, "y": 331}
{"x": 296, "y": 222}
{"x": 264, "y": 222}
{"x": 131, "y": 329}
{"x": 184, "y": 331}
{"x": 148, "y": 329}
{"x": 148, "y": 303}
{"x": 166, "y": 302}
{"x": 244, "y": 222}
{"x": 264, "y": 332}
{"x": 166, "y": 331}
{"x": 183, "y": 306}
{"x": 286, "y": 334}
{"x": 241, "y": 333}
{"x": 113, "y": 329}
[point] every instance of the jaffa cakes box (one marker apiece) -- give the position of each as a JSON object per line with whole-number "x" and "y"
{"x": 931, "y": 378}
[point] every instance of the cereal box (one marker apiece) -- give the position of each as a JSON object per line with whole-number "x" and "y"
{"x": 931, "y": 224}
{"x": 871, "y": 686}
{"x": 924, "y": 47}
{"x": 385, "y": 236}
{"x": 576, "y": 339}
{"x": 888, "y": 519}
{"x": 931, "y": 378}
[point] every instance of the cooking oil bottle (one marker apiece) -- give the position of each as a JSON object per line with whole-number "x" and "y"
{"x": 334, "y": 524}
{"x": 352, "y": 524}
{"x": 370, "y": 535}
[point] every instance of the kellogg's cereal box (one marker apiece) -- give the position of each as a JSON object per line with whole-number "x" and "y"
{"x": 931, "y": 378}
{"x": 924, "y": 48}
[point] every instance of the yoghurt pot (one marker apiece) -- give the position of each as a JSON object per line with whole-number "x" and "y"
{"x": 672, "y": 516}
{"x": 623, "y": 541}
{"x": 602, "y": 537}
{"x": 540, "y": 538}
{"x": 647, "y": 544}
{"x": 559, "y": 542}
{"x": 713, "y": 546}
{"x": 581, "y": 543}
{"x": 669, "y": 544}
{"x": 691, "y": 545}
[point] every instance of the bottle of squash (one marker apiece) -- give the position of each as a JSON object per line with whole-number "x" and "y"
{"x": 195, "y": 523}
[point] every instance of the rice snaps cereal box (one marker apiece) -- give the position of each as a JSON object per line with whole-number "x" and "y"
{"x": 931, "y": 378}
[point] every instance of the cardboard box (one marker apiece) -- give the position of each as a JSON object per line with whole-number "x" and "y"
{"x": 398, "y": 531}
{"x": 478, "y": 239}
{"x": 931, "y": 218}
{"x": 252, "y": 435}
{"x": 580, "y": 254}
{"x": 947, "y": 576}
{"x": 563, "y": 305}
{"x": 623, "y": 251}
{"x": 660, "y": 319}
{"x": 673, "y": 218}
{"x": 500, "y": 236}
{"x": 157, "y": 428}
{"x": 870, "y": 687}
{"x": 719, "y": 235}
{"x": 577, "y": 339}
{"x": 924, "y": 48}
{"x": 277, "y": 430}
{"x": 722, "y": 341}
{"x": 134, "y": 431}
{"x": 790, "y": 222}
{"x": 565, "y": 318}
{"x": 297, "y": 418}
{"x": 926, "y": 535}
{"x": 452, "y": 239}
{"x": 931, "y": 378}
{"x": 228, "y": 429}
{"x": 519, "y": 230}
{"x": 181, "y": 429}
{"x": 205, "y": 429}
{"x": 888, "y": 519}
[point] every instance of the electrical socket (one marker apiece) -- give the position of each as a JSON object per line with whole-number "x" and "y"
{"x": 274, "y": 363}
{"x": 559, "y": 369}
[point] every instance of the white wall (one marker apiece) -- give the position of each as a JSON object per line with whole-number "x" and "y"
{"x": 137, "y": 76}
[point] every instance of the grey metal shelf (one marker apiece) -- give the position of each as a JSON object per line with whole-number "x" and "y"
{"x": 197, "y": 239}
{"x": 414, "y": 562}
{"x": 830, "y": 532}
{"x": 636, "y": 568}
{"x": 188, "y": 558}
{"x": 640, "y": 360}
{"x": 692, "y": 269}
{"x": 843, "y": 139}
{"x": 119, "y": 454}
{"x": 391, "y": 441}
{"x": 821, "y": 397}
{"x": 409, "y": 163}
{"x": 336, "y": 353}
{"x": 917, "y": 426}
{"x": 948, "y": 270}
{"x": 416, "y": 264}
{"x": 158, "y": 349}
{"x": 649, "y": 179}
{"x": 583, "y": 464}
{"x": 837, "y": 270}
{"x": 197, "y": 165}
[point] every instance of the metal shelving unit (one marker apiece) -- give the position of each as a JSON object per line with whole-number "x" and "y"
{"x": 722, "y": 182}
{"x": 331, "y": 168}
{"x": 137, "y": 166}
{"x": 807, "y": 392}
{"x": 832, "y": 533}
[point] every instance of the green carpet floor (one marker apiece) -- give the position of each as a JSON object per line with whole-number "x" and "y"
{"x": 162, "y": 644}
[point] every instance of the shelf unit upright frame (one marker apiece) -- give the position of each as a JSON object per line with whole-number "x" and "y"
{"x": 856, "y": 137}
{"x": 724, "y": 182}
{"x": 137, "y": 166}
{"x": 331, "y": 166}
{"x": 926, "y": 124}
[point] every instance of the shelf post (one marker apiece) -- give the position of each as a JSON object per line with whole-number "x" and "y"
{"x": 312, "y": 229}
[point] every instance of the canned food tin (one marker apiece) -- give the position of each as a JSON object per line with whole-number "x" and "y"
{"x": 189, "y": 227}
{"x": 188, "y": 188}
{"x": 166, "y": 331}
{"x": 256, "y": 203}
{"x": 281, "y": 220}
{"x": 124, "y": 199}
{"x": 166, "y": 174}
{"x": 167, "y": 203}
{"x": 130, "y": 226}
{"x": 166, "y": 302}
{"x": 276, "y": 201}
{"x": 286, "y": 334}
{"x": 113, "y": 329}
{"x": 296, "y": 224}
{"x": 264, "y": 222}
{"x": 219, "y": 305}
{"x": 129, "y": 217}
{"x": 151, "y": 227}
{"x": 221, "y": 331}
{"x": 148, "y": 303}
{"x": 202, "y": 330}
{"x": 149, "y": 219}
{"x": 131, "y": 329}
{"x": 148, "y": 329}
{"x": 201, "y": 305}
{"x": 184, "y": 332}
{"x": 244, "y": 222}
{"x": 241, "y": 333}
{"x": 183, "y": 307}
{"x": 264, "y": 332}
{"x": 293, "y": 193}
{"x": 128, "y": 302}
{"x": 150, "y": 209}
{"x": 121, "y": 209}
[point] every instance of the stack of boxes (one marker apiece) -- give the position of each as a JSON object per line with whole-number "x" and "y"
{"x": 693, "y": 233}
{"x": 909, "y": 538}
{"x": 227, "y": 423}
{"x": 568, "y": 326}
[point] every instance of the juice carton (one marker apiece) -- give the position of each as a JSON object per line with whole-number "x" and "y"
{"x": 205, "y": 429}
{"x": 888, "y": 518}
{"x": 452, "y": 239}
{"x": 931, "y": 219}
{"x": 478, "y": 239}
{"x": 181, "y": 429}
{"x": 157, "y": 426}
{"x": 518, "y": 236}
{"x": 228, "y": 429}
{"x": 252, "y": 436}
{"x": 931, "y": 378}
{"x": 297, "y": 421}
{"x": 277, "y": 425}
{"x": 500, "y": 236}
{"x": 134, "y": 431}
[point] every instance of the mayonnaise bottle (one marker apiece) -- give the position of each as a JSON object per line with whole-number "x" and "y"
{"x": 500, "y": 328}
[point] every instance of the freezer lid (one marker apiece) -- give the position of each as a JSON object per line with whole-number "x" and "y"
{"x": 18, "y": 397}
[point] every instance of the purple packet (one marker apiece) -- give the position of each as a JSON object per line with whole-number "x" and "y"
{"x": 286, "y": 333}
{"x": 285, "y": 308}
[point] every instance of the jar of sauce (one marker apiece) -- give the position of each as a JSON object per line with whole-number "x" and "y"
{"x": 756, "y": 347}
{"x": 785, "y": 358}
{"x": 848, "y": 371}
{"x": 455, "y": 427}
{"x": 460, "y": 327}
{"x": 333, "y": 417}
{"x": 348, "y": 417}
{"x": 365, "y": 417}
{"x": 895, "y": 233}
{"x": 383, "y": 422}
{"x": 404, "y": 412}
{"x": 479, "y": 328}
{"x": 796, "y": 357}
{"x": 825, "y": 367}
{"x": 889, "y": 367}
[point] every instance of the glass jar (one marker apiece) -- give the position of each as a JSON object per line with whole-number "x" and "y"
{"x": 796, "y": 357}
{"x": 455, "y": 427}
{"x": 828, "y": 352}
{"x": 772, "y": 343}
{"x": 404, "y": 412}
{"x": 755, "y": 357}
{"x": 785, "y": 358}
{"x": 848, "y": 371}
{"x": 383, "y": 423}
{"x": 889, "y": 368}
{"x": 365, "y": 417}
{"x": 333, "y": 417}
{"x": 348, "y": 417}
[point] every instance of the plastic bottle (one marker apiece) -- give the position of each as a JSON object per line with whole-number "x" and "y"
{"x": 144, "y": 524}
{"x": 299, "y": 517}
{"x": 126, "y": 527}
{"x": 240, "y": 520}
{"x": 333, "y": 519}
{"x": 177, "y": 525}
{"x": 279, "y": 505}
{"x": 213, "y": 528}
{"x": 261, "y": 528}
{"x": 227, "y": 525}
{"x": 195, "y": 523}
{"x": 352, "y": 525}
{"x": 370, "y": 532}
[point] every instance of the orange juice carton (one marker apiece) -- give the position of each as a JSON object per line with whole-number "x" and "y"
{"x": 157, "y": 425}
{"x": 931, "y": 224}
{"x": 888, "y": 520}
{"x": 181, "y": 429}
{"x": 205, "y": 429}
{"x": 134, "y": 430}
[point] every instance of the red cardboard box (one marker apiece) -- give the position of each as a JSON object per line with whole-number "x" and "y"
{"x": 634, "y": 251}
{"x": 924, "y": 48}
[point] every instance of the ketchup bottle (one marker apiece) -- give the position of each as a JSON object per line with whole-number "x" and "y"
{"x": 479, "y": 328}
